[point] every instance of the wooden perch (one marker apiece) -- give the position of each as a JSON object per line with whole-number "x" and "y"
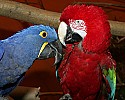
{"x": 117, "y": 28}
{"x": 28, "y": 13}
{"x": 35, "y": 15}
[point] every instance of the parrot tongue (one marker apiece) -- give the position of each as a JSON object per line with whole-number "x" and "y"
{"x": 53, "y": 49}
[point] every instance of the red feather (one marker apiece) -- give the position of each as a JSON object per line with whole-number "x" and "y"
{"x": 81, "y": 70}
{"x": 80, "y": 74}
{"x": 98, "y": 29}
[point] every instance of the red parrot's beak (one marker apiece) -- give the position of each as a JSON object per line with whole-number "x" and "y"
{"x": 67, "y": 35}
{"x": 62, "y": 31}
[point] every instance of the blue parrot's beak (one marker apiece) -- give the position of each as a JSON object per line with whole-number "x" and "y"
{"x": 50, "y": 50}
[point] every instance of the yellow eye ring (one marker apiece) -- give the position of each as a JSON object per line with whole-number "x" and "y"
{"x": 43, "y": 34}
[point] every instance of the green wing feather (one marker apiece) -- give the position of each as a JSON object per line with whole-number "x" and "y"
{"x": 110, "y": 76}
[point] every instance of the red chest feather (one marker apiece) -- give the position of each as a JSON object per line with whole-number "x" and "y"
{"x": 80, "y": 73}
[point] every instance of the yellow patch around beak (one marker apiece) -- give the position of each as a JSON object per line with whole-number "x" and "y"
{"x": 42, "y": 48}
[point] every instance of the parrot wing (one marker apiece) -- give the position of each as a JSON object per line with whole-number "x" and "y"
{"x": 109, "y": 74}
{"x": 110, "y": 79}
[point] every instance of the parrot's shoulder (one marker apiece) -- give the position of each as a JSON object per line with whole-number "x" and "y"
{"x": 1, "y": 50}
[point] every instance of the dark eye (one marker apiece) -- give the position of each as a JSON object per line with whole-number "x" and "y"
{"x": 43, "y": 34}
{"x": 77, "y": 21}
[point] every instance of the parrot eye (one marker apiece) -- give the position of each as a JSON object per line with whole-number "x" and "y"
{"x": 43, "y": 34}
{"x": 77, "y": 21}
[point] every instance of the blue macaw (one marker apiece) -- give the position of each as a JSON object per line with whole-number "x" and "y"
{"x": 18, "y": 52}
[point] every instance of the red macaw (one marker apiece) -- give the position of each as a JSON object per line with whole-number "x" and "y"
{"x": 87, "y": 64}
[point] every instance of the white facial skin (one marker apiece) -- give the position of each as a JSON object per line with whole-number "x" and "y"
{"x": 78, "y": 26}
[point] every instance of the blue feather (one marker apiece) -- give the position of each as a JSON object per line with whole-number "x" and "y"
{"x": 18, "y": 52}
{"x": 1, "y": 52}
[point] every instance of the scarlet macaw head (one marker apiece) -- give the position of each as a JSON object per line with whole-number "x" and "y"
{"x": 87, "y": 24}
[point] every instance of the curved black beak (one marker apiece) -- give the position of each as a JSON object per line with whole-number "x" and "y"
{"x": 72, "y": 37}
{"x": 67, "y": 35}
{"x": 53, "y": 49}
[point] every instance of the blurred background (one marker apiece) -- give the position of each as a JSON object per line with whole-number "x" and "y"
{"x": 42, "y": 74}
